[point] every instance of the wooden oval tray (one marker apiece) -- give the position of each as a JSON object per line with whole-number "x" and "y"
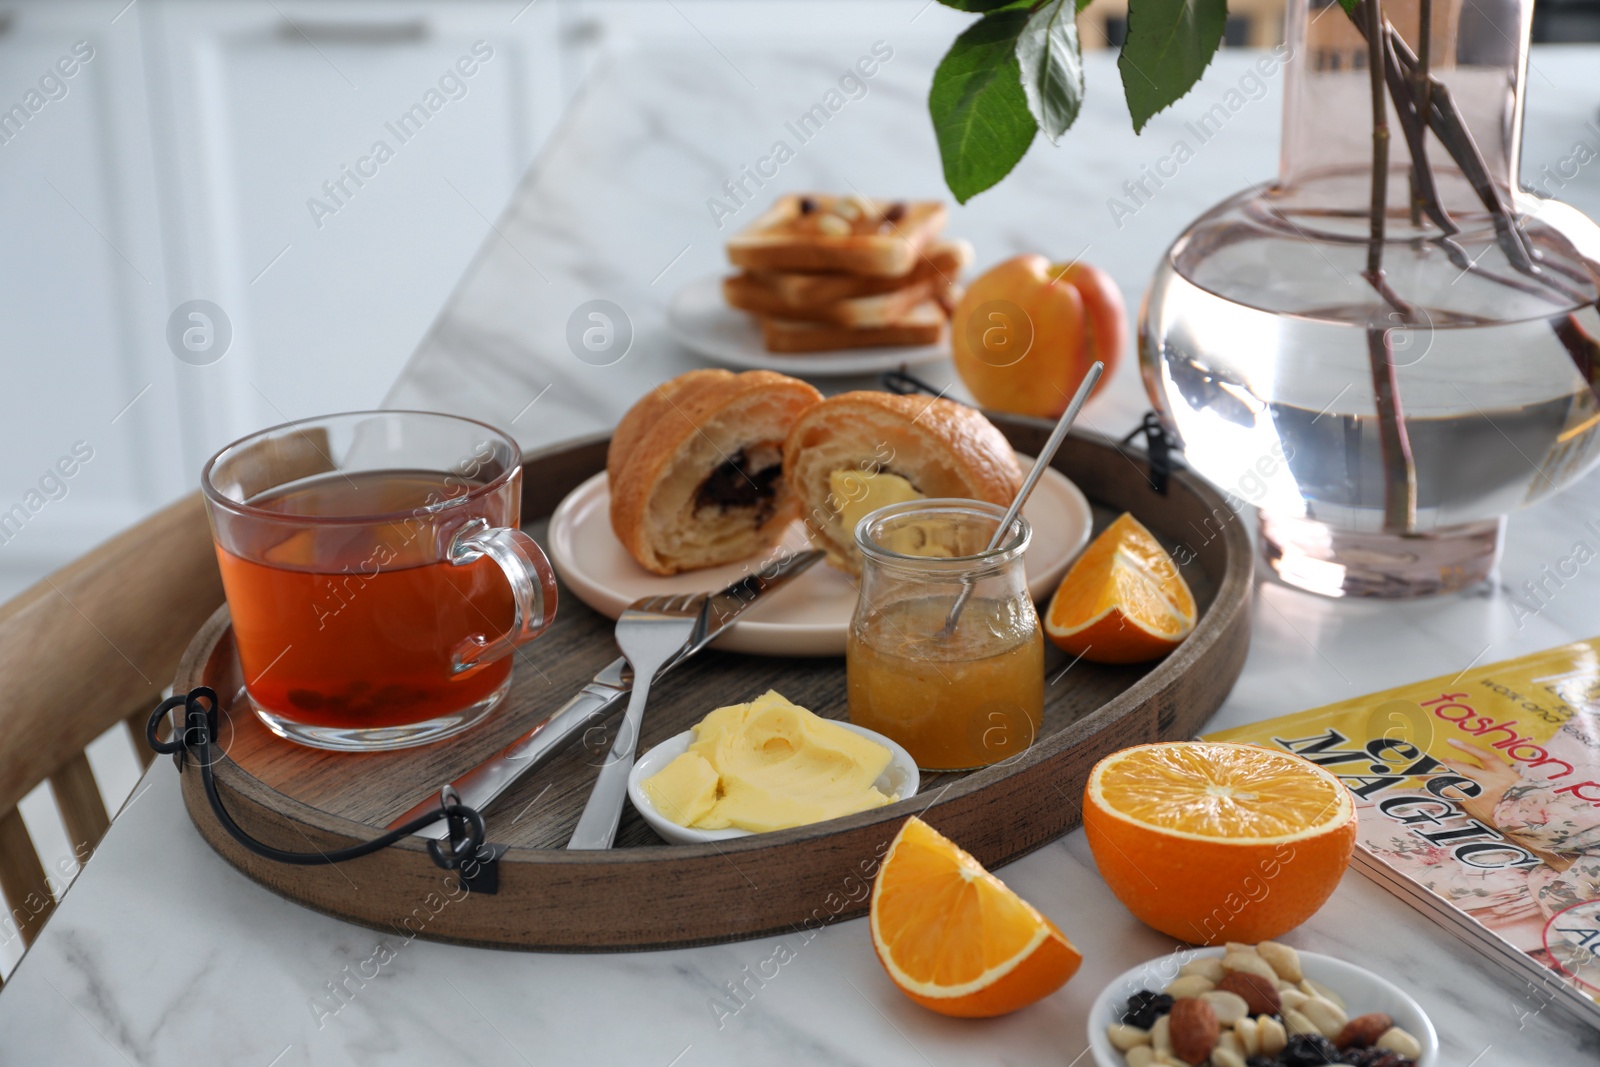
{"x": 648, "y": 894}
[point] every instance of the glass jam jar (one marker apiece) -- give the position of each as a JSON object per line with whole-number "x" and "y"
{"x": 956, "y": 701}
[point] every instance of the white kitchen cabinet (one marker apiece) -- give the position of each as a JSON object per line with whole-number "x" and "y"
{"x": 82, "y": 289}
{"x": 328, "y": 171}
{"x": 179, "y": 163}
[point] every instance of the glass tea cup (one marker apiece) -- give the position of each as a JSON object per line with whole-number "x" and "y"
{"x": 377, "y": 582}
{"x": 970, "y": 698}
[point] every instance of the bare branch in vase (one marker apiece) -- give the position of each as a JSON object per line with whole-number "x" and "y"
{"x": 1399, "y": 466}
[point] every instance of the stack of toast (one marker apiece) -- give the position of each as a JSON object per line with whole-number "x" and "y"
{"x": 823, "y": 273}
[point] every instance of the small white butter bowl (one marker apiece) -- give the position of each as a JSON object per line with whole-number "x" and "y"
{"x": 899, "y": 779}
{"x": 1362, "y": 990}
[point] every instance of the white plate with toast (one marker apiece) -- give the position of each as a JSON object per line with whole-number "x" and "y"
{"x": 811, "y": 616}
{"x": 699, "y": 317}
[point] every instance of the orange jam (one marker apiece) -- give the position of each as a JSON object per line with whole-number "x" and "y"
{"x": 964, "y": 701}
{"x": 966, "y": 698}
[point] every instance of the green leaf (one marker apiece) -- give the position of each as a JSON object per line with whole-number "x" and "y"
{"x": 1084, "y": 3}
{"x": 1349, "y": 6}
{"x": 980, "y": 113}
{"x": 979, "y": 5}
{"x": 1169, "y": 44}
{"x": 1052, "y": 67}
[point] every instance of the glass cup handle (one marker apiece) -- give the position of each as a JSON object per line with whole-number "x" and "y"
{"x": 533, "y": 589}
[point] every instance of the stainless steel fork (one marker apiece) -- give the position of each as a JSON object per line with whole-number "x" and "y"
{"x": 650, "y": 633}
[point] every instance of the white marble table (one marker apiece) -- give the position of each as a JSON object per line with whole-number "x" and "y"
{"x": 162, "y": 954}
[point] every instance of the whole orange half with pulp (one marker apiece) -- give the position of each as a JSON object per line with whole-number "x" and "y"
{"x": 1123, "y": 601}
{"x": 954, "y": 938}
{"x": 1214, "y": 841}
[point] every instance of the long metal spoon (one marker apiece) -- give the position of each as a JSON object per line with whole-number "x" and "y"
{"x": 1046, "y": 454}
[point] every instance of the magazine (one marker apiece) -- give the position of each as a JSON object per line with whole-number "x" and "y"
{"x": 1479, "y": 803}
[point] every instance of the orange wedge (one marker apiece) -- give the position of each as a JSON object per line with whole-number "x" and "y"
{"x": 1212, "y": 841}
{"x": 954, "y": 938}
{"x": 1123, "y": 601}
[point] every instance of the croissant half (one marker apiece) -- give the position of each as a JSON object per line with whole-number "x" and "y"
{"x": 696, "y": 468}
{"x": 943, "y": 449}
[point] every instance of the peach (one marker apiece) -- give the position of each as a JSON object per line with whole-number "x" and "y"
{"x": 1027, "y": 331}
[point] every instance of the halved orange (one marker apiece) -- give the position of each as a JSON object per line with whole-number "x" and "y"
{"x": 1123, "y": 601}
{"x": 1212, "y": 841}
{"x": 954, "y": 938}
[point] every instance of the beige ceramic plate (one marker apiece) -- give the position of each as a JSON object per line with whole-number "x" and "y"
{"x": 811, "y": 615}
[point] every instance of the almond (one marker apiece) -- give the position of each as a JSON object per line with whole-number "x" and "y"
{"x": 1260, "y": 994}
{"x": 1194, "y": 1030}
{"x": 1364, "y": 1030}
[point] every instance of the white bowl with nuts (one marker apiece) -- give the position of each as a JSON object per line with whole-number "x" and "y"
{"x": 1257, "y": 1005}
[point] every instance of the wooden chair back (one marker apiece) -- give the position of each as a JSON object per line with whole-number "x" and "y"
{"x": 94, "y": 644}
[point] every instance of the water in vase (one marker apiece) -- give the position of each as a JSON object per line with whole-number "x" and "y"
{"x": 1241, "y": 383}
{"x": 1266, "y": 342}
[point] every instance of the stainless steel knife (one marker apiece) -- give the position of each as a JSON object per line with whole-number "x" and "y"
{"x": 602, "y": 698}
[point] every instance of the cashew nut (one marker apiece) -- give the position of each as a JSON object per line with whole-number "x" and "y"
{"x": 1272, "y": 1035}
{"x": 1325, "y": 1015}
{"x": 1206, "y": 967}
{"x": 1296, "y": 1023}
{"x": 1395, "y": 1039}
{"x": 1230, "y": 1007}
{"x": 1249, "y": 1035}
{"x": 1124, "y": 1037}
{"x": 1161, "y": 1036}
{"x": 1284, "y": 960}
{"x": 1141, "y": 1056}
{"x": 1190, "y": 985}
{"x": 1250, "y": 963}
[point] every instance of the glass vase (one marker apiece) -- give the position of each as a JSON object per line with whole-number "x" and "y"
{"x": 1385, "y": 423}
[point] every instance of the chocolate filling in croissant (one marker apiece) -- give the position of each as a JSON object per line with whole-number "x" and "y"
{"x": 743, "y": 482}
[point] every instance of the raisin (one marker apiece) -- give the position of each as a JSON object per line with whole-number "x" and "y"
{"x": 807, "y": 205}
{"x": 1145, "y": 1007}
{"x": 1360, "y": 1057}
{"x": 1308, "y": 1050}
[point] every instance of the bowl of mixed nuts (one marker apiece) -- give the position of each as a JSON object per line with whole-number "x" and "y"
{"x": 1266, "y": 1005}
